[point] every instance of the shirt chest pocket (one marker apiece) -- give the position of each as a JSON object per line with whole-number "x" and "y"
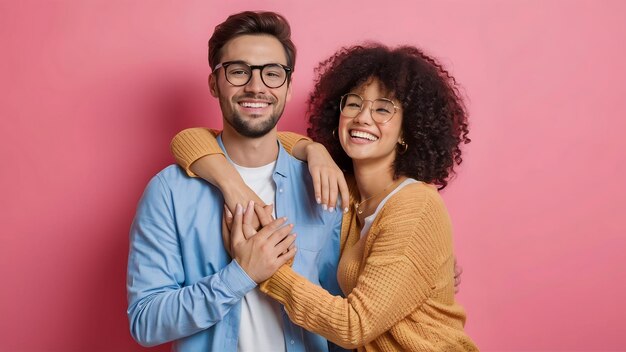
{"x": 311, "y": 237}
{"x": 309, "y": 242}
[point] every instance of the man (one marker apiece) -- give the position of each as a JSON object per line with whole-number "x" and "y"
{"x": 182, "y": 284}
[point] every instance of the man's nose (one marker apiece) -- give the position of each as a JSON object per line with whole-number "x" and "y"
{"x": 255, "y": 84}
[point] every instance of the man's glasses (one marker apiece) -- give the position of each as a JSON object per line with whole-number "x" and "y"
{"x": 239, "y": 73}
{"x": 382, "y": 109}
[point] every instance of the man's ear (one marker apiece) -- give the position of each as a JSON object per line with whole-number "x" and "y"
{"x": 288, "y": 96}
{"x": 213, "y": 85}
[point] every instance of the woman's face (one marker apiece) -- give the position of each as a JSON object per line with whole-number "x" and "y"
{"x": 363, "y": 139}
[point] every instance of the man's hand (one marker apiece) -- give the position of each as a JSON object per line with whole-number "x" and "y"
{"x": 328, "y": 179}
{"x": 264, "y": 214}
{"x": 260, "y": 253}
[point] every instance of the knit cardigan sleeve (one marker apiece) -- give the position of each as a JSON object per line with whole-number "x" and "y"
{"x": 407, "y": 243}
{"x": 193, "y": 143}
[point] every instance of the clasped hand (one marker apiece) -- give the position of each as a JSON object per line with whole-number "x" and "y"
{"x": 259, "y": 253}
{"x": 329, "y": 183}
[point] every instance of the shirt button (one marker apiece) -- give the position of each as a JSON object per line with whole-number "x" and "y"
{"x": 280, "y": 190}
{"x": 292, "y": 342}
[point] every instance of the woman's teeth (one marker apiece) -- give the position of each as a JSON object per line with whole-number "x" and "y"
{"x": 364, "y": 135}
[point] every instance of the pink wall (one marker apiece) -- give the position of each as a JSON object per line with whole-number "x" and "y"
{"x": 93, "y": 91}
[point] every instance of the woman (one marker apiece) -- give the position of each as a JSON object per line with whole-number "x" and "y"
{"x": 399, "y": 121}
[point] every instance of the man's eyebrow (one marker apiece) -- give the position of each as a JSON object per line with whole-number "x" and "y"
{"x": 235, "y": 62}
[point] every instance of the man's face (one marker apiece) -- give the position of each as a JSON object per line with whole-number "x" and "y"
{"x": 252, "y": 109}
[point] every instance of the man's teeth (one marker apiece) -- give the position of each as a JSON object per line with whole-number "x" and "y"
{"x": 364, "y": 135}
{"x": 254, "y": 105}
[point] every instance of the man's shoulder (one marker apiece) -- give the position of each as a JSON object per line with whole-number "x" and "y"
{"x": 290, "y": 164}
{"x": 298, "y": 173}
{"x": 174, "y": 177}
{"x": 173, "y": 185}
{"x": 297, "y": 165}
{"x": 172, "y": 171}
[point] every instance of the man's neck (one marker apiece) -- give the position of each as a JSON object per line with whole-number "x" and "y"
{"x": 250, "y": 152}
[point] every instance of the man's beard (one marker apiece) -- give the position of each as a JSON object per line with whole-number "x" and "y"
{"x": 254, "y": 129}
{"x": 257, "y": 130}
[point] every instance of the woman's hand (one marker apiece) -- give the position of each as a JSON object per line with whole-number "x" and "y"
{"x": 237, "y": 192}
{"x": 328, "y": 179}
{"x": 215, "y": 169}
{"x": 260, "y": 253}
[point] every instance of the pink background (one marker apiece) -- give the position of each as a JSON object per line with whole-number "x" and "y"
{"x": 92, "y": 92}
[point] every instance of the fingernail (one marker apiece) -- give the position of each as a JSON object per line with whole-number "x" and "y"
{"x": 324, "y": 206}
{"x": 331, "y": 209}
{"x": 318, "y": 200}
{"x": 238, "y": 209}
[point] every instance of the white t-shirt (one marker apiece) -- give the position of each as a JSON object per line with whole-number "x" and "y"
{"x": 261, "y": 327}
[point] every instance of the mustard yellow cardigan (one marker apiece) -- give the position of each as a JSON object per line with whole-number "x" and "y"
{"x": 398, "y": 280}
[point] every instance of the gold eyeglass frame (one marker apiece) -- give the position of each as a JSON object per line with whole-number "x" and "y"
{"x": 395, "y": 108}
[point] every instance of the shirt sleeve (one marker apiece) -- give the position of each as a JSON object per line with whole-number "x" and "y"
{"x": 193, "y": 143}
{"x": 160, "y": 308}
{"x": 397, "y": 278}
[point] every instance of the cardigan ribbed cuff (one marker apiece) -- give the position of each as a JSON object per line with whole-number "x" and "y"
{"x": 279, "y": 285}
{"x": 290, "y": 139}
{"x": 192, "y": 144}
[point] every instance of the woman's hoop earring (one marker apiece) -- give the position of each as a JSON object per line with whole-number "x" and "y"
{"x": 335, "y": 133}
{"x": 403, "y": 147}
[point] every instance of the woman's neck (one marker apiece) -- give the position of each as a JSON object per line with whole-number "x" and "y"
{"x": 371, "y": 181}
{"x": 374, "y": 182}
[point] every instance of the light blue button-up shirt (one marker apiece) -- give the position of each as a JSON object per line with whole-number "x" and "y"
{"x": 183, "y": 286}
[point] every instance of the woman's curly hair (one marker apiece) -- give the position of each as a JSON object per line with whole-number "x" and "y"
{"x": 434, "y": 117}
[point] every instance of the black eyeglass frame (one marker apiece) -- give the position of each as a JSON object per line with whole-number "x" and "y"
{"x": 224, "y": 65}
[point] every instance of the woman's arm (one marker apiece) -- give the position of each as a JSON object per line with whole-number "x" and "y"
{"x": 193, "y": 144}
{"x": 197, "y": 151}
{"x": 400, "y": 273}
